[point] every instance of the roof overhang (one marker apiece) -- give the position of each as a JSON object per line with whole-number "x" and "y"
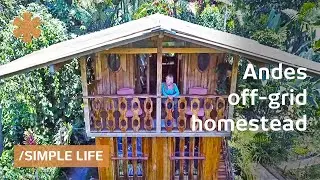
{"x": 151, "y": 26}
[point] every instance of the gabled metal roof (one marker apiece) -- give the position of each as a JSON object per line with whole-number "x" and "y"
{"x": 147, "y": 27}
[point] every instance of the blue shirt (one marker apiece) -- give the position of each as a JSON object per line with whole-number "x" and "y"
{"x": 170, "y": 92}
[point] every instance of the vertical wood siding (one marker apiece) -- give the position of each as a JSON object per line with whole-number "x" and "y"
{"x": 193, "y": 77}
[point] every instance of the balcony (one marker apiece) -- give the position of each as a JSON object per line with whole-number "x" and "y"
{"x": 144, "y": 115}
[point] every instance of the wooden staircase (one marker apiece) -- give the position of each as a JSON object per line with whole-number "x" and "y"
{"x": 225, "y": 171}
{"x": 222, "y": 173}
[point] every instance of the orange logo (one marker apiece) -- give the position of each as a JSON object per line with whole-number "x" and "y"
{"x": 61, "y": 156}
{"x": 27, "y": 27}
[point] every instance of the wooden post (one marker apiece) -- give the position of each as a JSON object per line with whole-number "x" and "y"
{"x": 147, "y": 151}
{"x": 107, "y": 173}
{"x": 233, "y": 85}
{"x": 160, "y": 159}
{"x": 178, "y": 68}
{"x": 185, "y": 68}
{"x": 158, "y": 144}
{"x": 210, "y": 148}
{"x": 159, "y": 81}
{"x": 83, "y": 67}
{"x": 98, "y": 60}
{"x": 148, "y": 74}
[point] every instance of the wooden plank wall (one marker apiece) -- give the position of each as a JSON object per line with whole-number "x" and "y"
{"x": 192, "y": 77}
{"x": 159, "y": 165}
{"x": 107, "y": 81}
{"x": 210, "y": 148}
{"x": 107, "y": 173}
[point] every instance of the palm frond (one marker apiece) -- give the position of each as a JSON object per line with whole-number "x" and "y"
{"x": 293, "y": 14}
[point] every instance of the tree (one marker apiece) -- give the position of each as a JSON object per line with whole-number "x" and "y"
{"x": 37, "y": 100}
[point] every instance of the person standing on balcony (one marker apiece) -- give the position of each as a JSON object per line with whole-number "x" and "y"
{"x": 170, "y": 90}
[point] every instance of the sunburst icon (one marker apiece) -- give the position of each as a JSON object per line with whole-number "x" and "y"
{"x": 26, "y": 27}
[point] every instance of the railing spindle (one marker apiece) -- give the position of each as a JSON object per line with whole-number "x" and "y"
{"x": 123, "y": 120}
{"x": 220, "y": 108}
{"x": 182, "y": 105}
{"x": 208, "y": 106}
{"x": 148, "y": 108}
{"x": 96, "y": 113}
{"x": 169, "y": 117}
{"x": 195, "y": 107}
{"x": 135, "y": 108}
{"x": 110, "y": 108}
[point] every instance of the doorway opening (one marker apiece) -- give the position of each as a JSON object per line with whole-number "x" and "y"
{"x": 169, "y": 66}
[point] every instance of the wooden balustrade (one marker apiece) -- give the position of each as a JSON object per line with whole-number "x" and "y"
{"x": 137, "y": 113}
{"x": 121, "y": 113}
{"x": 201, "y": 106}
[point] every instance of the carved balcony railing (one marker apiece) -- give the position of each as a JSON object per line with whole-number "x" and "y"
{"x": 177, "y": 118}
{"x": 124, "y": 115}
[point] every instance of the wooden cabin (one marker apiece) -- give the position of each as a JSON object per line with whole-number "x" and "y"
{"x": 122, "y": 69}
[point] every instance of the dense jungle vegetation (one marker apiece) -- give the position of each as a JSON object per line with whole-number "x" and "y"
{"x": 44, "y": 108}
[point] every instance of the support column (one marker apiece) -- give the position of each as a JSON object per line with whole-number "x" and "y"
{"x": 159, "y": 81}
{"x": 83, "y": 67}
{"x": 210, "y": 149}
{"x": 233, "y": 84}
{"x": 107, "y": 173}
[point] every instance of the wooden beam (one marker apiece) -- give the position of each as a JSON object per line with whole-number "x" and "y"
{"x": 233, "y": 85}
{"x": 171, "y": 147}
{"x": 181, "y": 154}
{"x": 211, "y": 148}
{"x": 159, "y": 81}
{"x": 178, "y": 69}
{"x": 148, "y": 74}
{"x": 107, "y": 173}
{"x": 164, "y": 133}
{"x": 147, "y": 151}
{"x": 154, "y": 151}
{"x": 164, "y": 50}
{"x": 86, "y": 111}
{"x": 185, "y": 69}
{"x": 161, "y": 158}
{"x": 98, "y": 60}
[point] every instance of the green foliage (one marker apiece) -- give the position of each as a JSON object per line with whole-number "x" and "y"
{"x": 305, "y": 9}
{"x": 274, "y": 147}
{"x": 154, "y": 7}
{"x": 37, "y": 100}
{"x": 271, "y": 38}
{"x": 8, "y": 172}
{"x": 177, "y": 9}
{"x": 309, "y": 172}
{"x": 212, "y": 17}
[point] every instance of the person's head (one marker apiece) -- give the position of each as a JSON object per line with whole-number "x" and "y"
{"x": 169, "y": 79}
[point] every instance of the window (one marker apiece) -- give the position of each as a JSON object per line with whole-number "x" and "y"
{"x": 113, "y": 62}
{"x": 203, "y": 62}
